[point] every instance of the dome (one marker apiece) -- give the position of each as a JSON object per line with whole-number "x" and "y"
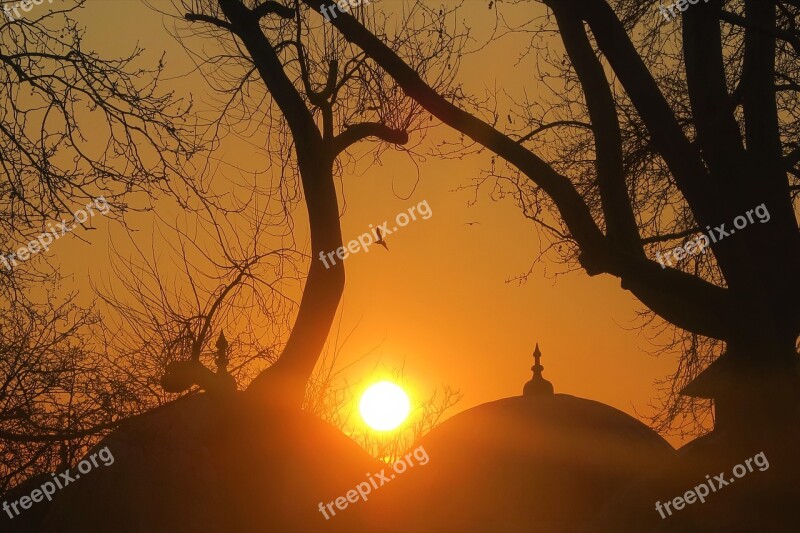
{"x": 533, "y": 462}
{"x": 208, "y": 465}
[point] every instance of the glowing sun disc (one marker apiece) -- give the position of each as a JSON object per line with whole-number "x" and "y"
{"x": 384, "y": 406}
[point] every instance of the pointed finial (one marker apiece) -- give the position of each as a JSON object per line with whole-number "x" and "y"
{"x": 537, "y": 386}
{"x": 222, "y": 348}
{"x": 537, "y": 367}
{"x": 222, "y": 342}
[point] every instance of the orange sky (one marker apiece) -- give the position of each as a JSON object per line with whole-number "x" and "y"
{"x": 438, "y": 303}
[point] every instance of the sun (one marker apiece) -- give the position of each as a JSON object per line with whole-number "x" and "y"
{"x": 384, "y": 406}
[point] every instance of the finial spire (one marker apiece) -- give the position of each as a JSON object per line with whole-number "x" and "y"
{"x": 222, "y": 358}
{"x": 537, "y": 386}
{"x": 537, "y": 367}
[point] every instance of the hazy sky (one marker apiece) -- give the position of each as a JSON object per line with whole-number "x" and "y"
{"x": 439, "y": 303}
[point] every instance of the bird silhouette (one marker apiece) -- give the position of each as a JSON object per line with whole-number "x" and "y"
{"x": 471, "y": 223}
{"x": 380, "y": 239}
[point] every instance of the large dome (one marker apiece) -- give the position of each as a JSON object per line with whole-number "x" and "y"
{"x": 538, "y": 462}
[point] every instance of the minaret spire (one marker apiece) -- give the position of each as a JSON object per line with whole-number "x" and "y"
{"x": 537, "y": 386}
{"x": 222, "y": 356}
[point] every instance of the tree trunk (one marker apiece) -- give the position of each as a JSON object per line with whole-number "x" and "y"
{"x": 754, "y": 384}
{"x": 286, "y": 380}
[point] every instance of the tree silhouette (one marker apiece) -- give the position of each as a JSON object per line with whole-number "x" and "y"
{"x": 110, "y": 362}
{"x": 676, "y": 148}
{"x": 52, "y": 88}
{"x": 47, "y": 385}
{"x": 165, "y": 327}
{"x": 54, "y": 93}
{"x": 326, "y": 99}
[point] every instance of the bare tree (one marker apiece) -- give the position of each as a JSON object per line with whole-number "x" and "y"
{"x": 51, "y": 87}
{"x": 158, "y": 323}
{"x": 669, "y": 160}
{"x": 54, "y": 91}
{"x": 48, "y": 394}
{"x": 163, "y": 330}
{"x": 326, "y": 98}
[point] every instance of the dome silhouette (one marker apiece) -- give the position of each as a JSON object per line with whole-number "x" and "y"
{"x": 202, "y": 464}
{"x": 537, "y": 462}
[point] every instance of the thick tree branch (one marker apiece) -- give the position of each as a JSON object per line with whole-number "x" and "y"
{"x": 792, "y": 158}
{"x": 271, "y": 7}
{"x": 762, "y": 130}
{"x": 574, "y": 212}
{"x": 621, "y": 227}
{"x": 717, "y": 129}
{"x": 775, "y": 283}
{"x": 682, "y": 299}
{"x": 704, "y": 303}
{"x": 670, "y": 236}
{"x": 358, "y": 132}
{"x": 330, "y": 83}
{"x": 681, "y": 157}
{"x": 317, "y": 98}
{"x": 195, "y": 17}
{"x": 271, "y": 70}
